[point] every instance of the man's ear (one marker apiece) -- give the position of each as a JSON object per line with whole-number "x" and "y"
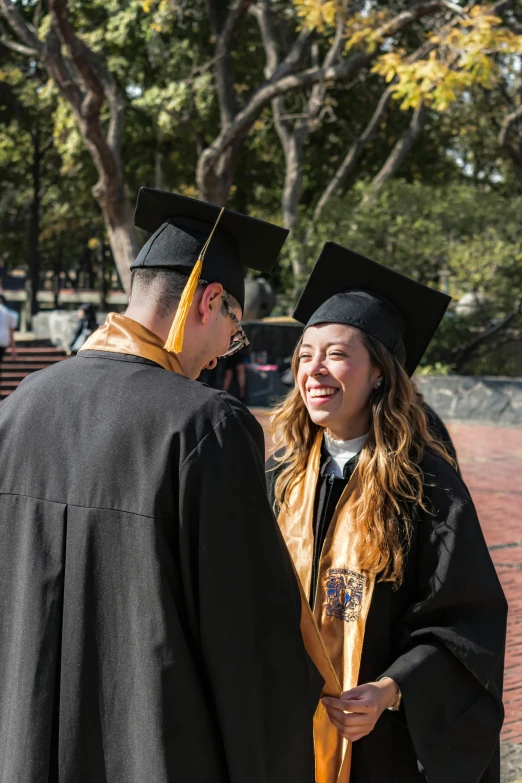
{"x": 210, "y": 299}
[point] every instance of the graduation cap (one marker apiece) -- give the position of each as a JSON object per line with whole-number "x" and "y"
{"x": 347, "y": 288}
{"x": 202, "y": 241}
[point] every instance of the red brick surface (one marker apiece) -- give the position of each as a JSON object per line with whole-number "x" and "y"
{"x": 491, "y": 463}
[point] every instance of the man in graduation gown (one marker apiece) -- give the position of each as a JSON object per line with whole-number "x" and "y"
{"x": 149, "y": 615}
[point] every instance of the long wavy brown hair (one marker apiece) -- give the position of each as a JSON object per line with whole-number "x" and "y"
{"x": 390, "y": 480}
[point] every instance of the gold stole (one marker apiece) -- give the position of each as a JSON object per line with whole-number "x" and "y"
{"x": 120, "y": 334}
{"x": 343, "y": 598}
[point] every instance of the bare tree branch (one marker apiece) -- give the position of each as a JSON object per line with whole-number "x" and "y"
{"x": 294, "y": 140}
{"x": 400, "y": 150}
{"x": 295, "y": 55}
{"x": 19, "y": 48}
{"x": 261, "y": 11}
{"x": 218, "y": 179}
{"x": 244, "y": 120}
{"x": 356, "y": 150}
{"x": 507, "y": 127}
{"x": 405, "y": 18}
{"x": 353, "y": 156}
{"x": 82, "y": 59}
{"x": 223, "y": 70}
{"x": 117, "y": 117}
{"x": 61, "y": 72}
{"x": 233, "y": 21}
{"x": 14, "y": 46}
{"x": 463, "y": 355}
{"x": 23, "y": 29}
{"x": 235, "y": 133}
{"x": 99, "y": 87}
{"x": 500, "y": 6}
{"x": 512, "y": 149}
{"x": 319, "y": 89}
{"x": 457, "y": 9}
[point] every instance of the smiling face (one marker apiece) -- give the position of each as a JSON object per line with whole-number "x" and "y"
{"x": 336, "y": 379}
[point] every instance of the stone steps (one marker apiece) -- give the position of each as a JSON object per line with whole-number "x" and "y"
{"x": 30, "y": 359}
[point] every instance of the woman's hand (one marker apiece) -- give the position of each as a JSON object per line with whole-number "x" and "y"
{"x": 357, "y": 711}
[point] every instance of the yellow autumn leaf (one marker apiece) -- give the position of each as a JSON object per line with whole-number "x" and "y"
{"x": 317, "y": 14}
{"x": 364, "y": 29}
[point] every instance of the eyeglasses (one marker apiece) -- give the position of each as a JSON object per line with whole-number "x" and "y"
{"x": 239, "y": 339}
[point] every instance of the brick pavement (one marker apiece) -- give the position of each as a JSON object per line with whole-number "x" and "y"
{"x": 491, "y": 462}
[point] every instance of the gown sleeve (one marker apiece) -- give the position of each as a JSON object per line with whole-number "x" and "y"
{"x": 451, "y": 667}
{"x": 261, "y": 681}
{"x": 272, "y": 470}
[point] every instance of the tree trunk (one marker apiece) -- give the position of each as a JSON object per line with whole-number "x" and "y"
{"x": 119, "y": 221}
{"x": 512, "y": 126}
{"x": 516, "y": 163}
{"x": 57, "y": 275}
{"x": 159, "y": 183}
{"x": 293, "y": 182}
{"x": 298, "y": 259}
{"x": 102, "y": 277}
{"x": 215, "y": 183}
{"x": 33, "y": 241}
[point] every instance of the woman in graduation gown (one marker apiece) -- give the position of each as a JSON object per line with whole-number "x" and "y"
{"x": 385, "y": 540}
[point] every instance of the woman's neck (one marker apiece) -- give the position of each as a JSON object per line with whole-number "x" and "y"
{"x": 350, "y": 430}
{"x": 343, "y": 444}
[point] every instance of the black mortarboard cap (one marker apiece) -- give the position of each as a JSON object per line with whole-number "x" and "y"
{"x": 180, "y": 226}
{"x": 348, "y": 288}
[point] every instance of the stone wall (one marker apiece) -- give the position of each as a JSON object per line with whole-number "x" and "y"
{"x": 473, "y": 398}
{"x": 464, "y": 398}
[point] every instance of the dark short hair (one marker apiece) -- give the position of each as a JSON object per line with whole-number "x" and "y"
{"x": 165, "y": 286}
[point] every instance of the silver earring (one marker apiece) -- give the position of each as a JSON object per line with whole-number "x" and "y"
{"x": 378, "y": 384}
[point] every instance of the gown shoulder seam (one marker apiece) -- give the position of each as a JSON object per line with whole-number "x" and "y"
{"x": 235, "y": 413}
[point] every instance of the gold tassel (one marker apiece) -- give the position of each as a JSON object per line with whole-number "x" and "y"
{"x": 174, "y": 343}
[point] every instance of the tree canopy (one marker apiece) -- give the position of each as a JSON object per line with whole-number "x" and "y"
{"x": 395, "y": 127}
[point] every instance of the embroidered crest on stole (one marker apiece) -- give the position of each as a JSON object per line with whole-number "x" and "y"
{"x": 344, "y": 594}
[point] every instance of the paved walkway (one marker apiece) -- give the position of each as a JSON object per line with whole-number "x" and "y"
{"x": 491, "y": 463}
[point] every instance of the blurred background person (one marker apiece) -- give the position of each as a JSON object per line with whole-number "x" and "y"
{"x": 236, "y": 369}
{"x": 8, "y": 324}
{"x": 86, "y": 326}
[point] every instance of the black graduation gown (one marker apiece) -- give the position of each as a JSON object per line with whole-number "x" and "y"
{"x": 439, "y": 430}
{"x": 440, "y": 636}
{"x": 149, "y": 616}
